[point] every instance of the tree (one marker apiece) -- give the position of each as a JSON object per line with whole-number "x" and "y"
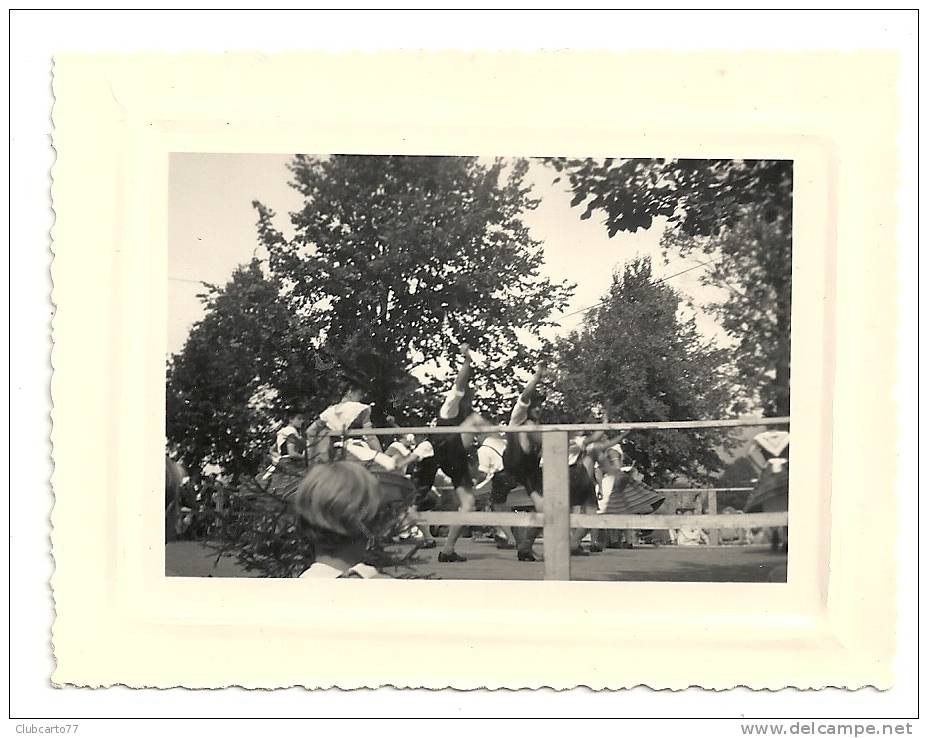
{"x": 636, "y": 359}
{"x": 739, "y": 210}
{"x": 698, "y": 197}
{"x": 396, "y": 259}
{"x": 242, "y": 365}
{"x": 752, "y": 259}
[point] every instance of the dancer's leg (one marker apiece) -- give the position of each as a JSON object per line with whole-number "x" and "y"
{"x": 499, "y": 494}
{"x": 577, "y": 534}
{"x": 467, "y": 503}
{"x": 505, "y": 537}
{"x": 526, "y": 539}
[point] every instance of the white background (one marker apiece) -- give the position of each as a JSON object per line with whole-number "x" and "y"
{"x": 37, "y": 35}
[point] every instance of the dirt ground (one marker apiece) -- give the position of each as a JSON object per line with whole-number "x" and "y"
{"x": 485, "y": 561}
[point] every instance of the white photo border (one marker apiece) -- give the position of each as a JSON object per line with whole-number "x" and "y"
{"x": 121, "y": 621}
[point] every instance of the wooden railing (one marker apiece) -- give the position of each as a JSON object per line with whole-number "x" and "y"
{"x": 557, "y": 519}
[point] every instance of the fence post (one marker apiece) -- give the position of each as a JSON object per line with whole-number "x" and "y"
{"x": 712, "y": 508}
{"x": 557, "y": 506}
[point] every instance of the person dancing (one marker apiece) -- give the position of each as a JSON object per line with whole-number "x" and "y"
{"x": 490, "y": 455}
{"x": 404, "y": 454}
{"x": 522, "y": 466}
{"x": 287, "y": 458}
{"x": 623, "y": 494}
{"x": 452, "y": 452}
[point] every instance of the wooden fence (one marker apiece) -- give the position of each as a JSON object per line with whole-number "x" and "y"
{"x": 557, "y": 519}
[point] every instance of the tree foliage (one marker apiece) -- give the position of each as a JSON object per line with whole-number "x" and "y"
{"x": 698, "y": 197}
{"x": 740, "y": 210}
{"x": 393, "y": 261}
{"x": 635, "y": 358}
{"x": 753, "y": 262}
{"x": 242, "y": 365}
{"x": 396, "y": 259}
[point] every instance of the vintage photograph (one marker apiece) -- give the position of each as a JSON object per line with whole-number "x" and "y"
{"x": 486, "y": 368}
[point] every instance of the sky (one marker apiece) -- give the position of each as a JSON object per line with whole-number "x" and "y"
{"x": 212, "y": 229}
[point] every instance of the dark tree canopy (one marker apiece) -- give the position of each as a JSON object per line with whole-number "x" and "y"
{"x": 243, "y": 365}
{"x": 699, "y": 197}
{"x": 397, "y": 259}
{"x": 394, "y": 261}
{"x": 635, "y": 359}
{"x": 738, "y": 210}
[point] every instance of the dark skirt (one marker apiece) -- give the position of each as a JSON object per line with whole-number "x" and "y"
{"x": 631, "y": 497}
{"x": 771, "y": 492}
{"x": 283, "y": 480}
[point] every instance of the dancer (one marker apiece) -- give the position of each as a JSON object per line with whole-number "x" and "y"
{"x": 522, "y": 462}
{"x": 585, "y": 451}
{"x": 452, "y": 452}
{"x": 610, "y": 470}
{"x": 490, "y": 455}
{"x": 582, "y": 485}
{"x": 623, "y": 494}
{"x": 287, "y": 457}
{"x": 289, "y": 443}
{"x": 403, "y": 453}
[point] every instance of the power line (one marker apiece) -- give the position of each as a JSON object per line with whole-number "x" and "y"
{"x": 700, "y": 265}
{"x": 188, "y": 281}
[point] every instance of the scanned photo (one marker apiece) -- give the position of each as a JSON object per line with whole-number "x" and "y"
{"x": 441, "y": 367}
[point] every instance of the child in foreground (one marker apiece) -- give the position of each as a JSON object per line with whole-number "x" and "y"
{"x": 342, "y": 508}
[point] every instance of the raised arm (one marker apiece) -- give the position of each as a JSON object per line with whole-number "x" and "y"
{"x": 526, "y": 396}
{"x": 520, "y": 411}
{"x": 599, "y": 442}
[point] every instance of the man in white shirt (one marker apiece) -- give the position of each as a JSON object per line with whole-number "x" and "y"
{"x": 490, "y": 463}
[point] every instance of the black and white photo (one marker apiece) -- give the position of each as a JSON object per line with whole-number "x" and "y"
{"x": 448, "y": 367}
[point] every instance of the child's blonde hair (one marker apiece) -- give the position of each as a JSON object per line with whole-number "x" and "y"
{"x": 340, "y": 503}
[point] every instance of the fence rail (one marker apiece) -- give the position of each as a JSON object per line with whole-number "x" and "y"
{"x": 617, "y": 522}
{"x": 569, "y": 427}
{"x": 710, "y": 490}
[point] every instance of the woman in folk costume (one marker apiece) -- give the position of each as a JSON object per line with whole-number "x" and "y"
{"x": 349, "y": 414}
{"x": 287, "y": 456}
{"x": 622, "y": 494}
{"x": 771, "y": 494}
{"x": 452, "y": 452}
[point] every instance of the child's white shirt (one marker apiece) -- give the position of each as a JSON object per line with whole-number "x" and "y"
{"x": 324, "y": 571}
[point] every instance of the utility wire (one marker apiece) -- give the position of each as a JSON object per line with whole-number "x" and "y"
{"x": 657, "y": 281}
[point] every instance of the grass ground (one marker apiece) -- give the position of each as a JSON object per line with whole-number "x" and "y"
{"x": 485, "y": 561}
